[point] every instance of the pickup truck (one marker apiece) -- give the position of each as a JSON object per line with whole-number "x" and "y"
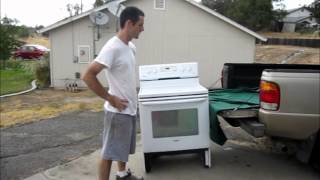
{"x": 285, "y": 104}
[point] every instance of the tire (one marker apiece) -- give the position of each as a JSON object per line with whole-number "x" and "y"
{"x": 147, "y": 162}
{"x": 315, "y": 155}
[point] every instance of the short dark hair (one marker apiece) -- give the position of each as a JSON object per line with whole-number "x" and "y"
{"x": 130, "y": 13}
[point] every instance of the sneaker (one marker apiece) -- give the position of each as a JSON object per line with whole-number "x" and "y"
{"x": 129, "y": 176}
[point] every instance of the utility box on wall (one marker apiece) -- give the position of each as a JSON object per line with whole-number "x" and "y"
{"x": 84, "y": 53}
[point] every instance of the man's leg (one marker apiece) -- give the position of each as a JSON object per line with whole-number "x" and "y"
{"x": 125, "y": 174}
{"x": 104, "y": 169}
{"x": 121, "y": 166}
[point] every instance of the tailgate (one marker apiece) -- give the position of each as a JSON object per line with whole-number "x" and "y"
{"x": 239, "y": 107}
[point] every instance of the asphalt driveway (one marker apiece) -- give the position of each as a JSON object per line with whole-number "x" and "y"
{"x": 54, "y": 143}
{"x": 31, "y": 148}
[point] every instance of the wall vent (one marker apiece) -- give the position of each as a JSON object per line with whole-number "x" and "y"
{"x": 160, "y": 4}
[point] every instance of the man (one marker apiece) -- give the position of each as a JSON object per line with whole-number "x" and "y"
{"x": 117, "y": 57}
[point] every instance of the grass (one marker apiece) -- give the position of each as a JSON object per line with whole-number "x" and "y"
{"x": 292, "y": 35}
{"x": 15, "y": 79}
{"x": 36, "y": 39}
{"x": 36, "y": 113}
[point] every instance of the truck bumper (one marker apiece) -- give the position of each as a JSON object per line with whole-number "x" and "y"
{"x": 289, "y": 125}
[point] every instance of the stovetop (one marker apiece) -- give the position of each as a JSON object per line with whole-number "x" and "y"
{"x": 171, "y": 91}
{"x": 166, "y": 80}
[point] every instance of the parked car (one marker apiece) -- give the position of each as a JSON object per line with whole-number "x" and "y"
{"x": 30, "y": 51}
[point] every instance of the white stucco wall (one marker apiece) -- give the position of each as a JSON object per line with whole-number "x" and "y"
{"x": 289, "y": 27}
{"x": 65, "y": 42}
{"x": 181, "y": 33}
{"x": 185, "y": 33}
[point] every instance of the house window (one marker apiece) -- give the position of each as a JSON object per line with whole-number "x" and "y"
{"x": 84, "y": 54}
{"x": 160, "y": 4}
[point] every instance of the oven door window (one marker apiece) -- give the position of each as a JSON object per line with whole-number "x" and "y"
{"x": 171, "y": 123}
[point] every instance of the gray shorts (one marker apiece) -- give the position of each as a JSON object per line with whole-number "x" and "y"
{"x": 119, "y": 136}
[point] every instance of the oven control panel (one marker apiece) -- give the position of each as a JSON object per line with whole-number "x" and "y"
{"x": 168, "y": 71}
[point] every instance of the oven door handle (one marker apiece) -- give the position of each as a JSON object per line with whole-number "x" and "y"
{"x": 174, "y": 101}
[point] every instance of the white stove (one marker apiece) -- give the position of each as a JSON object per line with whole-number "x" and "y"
{"x": 174, "y": 111}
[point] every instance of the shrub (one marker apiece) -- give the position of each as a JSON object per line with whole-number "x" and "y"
{"x": 43, "y": 73}
{"x": 30, "y": 66}
{"x": 10, "y": 64}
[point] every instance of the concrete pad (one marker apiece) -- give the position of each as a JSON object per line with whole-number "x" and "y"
{"x": 230, "y": 161}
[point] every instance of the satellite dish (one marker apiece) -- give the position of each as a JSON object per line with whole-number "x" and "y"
{"x": 99, "y": 18}
{"x": 115, "y": 8}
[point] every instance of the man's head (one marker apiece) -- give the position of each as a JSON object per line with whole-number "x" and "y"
{"x": 132, "y": 19}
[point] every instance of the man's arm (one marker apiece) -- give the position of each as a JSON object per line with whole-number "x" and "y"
{"x": 90, "y": 78}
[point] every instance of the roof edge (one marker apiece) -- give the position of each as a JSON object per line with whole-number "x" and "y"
{"x": 295, "y": 19}
{"x": 296, "y": 9}
{"x": 70, "y": 19}
{"x": 227, "y": 20}
{"x": 73, "y": 18}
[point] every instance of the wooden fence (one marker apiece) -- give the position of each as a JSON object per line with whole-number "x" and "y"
{"x": 315, "y": 43}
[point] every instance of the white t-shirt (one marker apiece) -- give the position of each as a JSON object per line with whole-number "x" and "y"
{"x": 119, "y": 58}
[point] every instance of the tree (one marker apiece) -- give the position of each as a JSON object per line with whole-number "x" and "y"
{"x": 278, "y": 4}
{"x": 315, "y": 9}
{"x": 254, "y": 14}
{"x": 69, "y": 9}
{"x": 8, "y": 38}
{"x": 38, "y": 27}
{"x": 220, "y": 6}
{"x": 74, "y": 9}
{"x": 98, "y": 3}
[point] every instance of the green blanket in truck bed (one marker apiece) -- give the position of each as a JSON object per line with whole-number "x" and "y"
{"x": 226, "y": 99}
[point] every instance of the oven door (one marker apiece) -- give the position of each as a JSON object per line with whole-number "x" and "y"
{"x": 175, "y": 124}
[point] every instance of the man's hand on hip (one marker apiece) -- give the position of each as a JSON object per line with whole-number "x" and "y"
{"x": 118, "y": 103}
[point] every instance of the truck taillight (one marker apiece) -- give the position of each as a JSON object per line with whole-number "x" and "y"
{"x": 269, "y": 95}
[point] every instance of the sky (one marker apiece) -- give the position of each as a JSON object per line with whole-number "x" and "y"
{"x": 47, "y": 12}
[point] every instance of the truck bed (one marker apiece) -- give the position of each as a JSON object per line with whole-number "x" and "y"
{"x": 247, "y": 75}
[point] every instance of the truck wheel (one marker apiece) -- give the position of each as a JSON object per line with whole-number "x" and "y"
{"x": 315, "y": 155}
